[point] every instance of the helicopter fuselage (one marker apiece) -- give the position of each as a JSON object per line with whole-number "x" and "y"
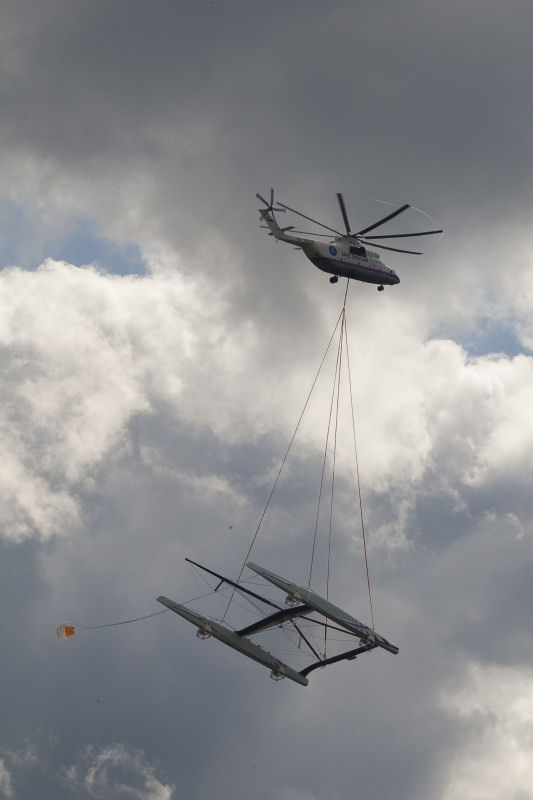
{"x": 348, "y": 260}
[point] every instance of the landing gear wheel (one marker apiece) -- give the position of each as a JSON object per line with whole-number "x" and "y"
{"x": 334, "y": 279}
{"x": 380, "y": 288}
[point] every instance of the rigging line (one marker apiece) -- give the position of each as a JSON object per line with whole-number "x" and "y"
{"x": 341, "y": 341}
{"x": 338, "y": 382}
{"x": 322, "y": 480}
{"x": 138, "y": 619}
{"x": 326, "y": 445}
{"x": 325, "y": 451}
{"x": 358, "y": 476}
{"x": 200, "y": 597}
{"x": 285, "y": 456}
{"x": 123, "y": 622}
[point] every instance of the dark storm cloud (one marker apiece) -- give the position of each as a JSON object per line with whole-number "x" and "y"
{"x": 399, "y": 85}
{"x": 189, "y": 109}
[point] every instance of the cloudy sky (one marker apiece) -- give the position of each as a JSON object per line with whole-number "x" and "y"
{"x": 156, "y": 351}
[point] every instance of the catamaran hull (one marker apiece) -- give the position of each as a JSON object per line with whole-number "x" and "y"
{"x": 324, "y": 607}
{"x": 210, "y": 627}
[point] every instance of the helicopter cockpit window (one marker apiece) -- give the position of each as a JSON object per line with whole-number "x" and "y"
{"x": 358, "y": 251}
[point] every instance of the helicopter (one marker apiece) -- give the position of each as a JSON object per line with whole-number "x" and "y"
{"x": 346, "y": 254}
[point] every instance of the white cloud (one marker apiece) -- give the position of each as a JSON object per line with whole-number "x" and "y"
{"x": 84, "y": 353}
{"x": 118, "y": 771}
{"x": 6, "y": 785}
{"x": 26, "y": 756}
{"x": 494, "y": 710}
{"x": 21, "y": 761}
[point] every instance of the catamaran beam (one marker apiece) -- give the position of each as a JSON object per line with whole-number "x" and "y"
{"x": 274, "y": 619}
{"x": 348, "y": 656}
{"x": 238, "y": 586}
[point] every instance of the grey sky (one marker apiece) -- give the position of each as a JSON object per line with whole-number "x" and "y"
{"x": 153, "y": 373}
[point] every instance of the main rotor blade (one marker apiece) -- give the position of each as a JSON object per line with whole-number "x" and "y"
{"x": 395, "y": 249}
{"x": 401, "y": 235}
{"x": 384, "y": 220}
{"x": 340, "y": 198}
{"x": 315, "y": 221}
{"x": 259, "y": 197}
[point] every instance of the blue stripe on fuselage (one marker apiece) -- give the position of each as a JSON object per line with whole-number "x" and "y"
{"x": 359, "y": 272}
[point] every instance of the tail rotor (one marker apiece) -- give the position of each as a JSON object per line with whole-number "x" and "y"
{"x": 269, "y": 206}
